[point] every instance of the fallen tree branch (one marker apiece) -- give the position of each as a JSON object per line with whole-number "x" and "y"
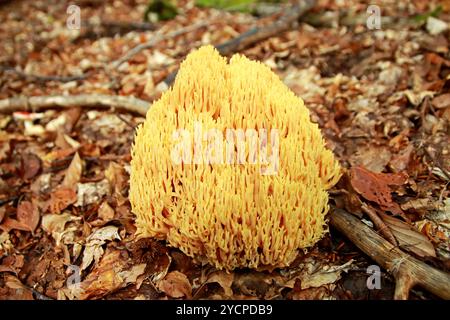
{"x": 258, "y": 34}
{"x": 155, "y": 40}
{"x": 407, "y": 270}
{"x": 111, "y": 28}
{"x": 42, "y": 78}
{"x": 129, "y": 104}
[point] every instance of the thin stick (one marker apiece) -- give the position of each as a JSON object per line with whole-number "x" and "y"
{"x": 155, "y": 40}
{"x": 42, "y": 78}
{"x": 129, "y": 104}
{"x": 379, "y": 224}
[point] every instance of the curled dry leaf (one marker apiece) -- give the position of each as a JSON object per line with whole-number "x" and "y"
{"x": 400, "y": 161}
{"x": 9, "y": 224}
{"x": 27, "y": 218}
{"x": 224, "y": 279}
{"x": 313, "y": 293}
{"x": 2, "y": 213}
{"x": 56, "y": 225}
{"x": 117, "y": 177}
{"x": 113, "y": 272}
{"x": 94, "y": 250}
{"x": 371, "y": 157}
{"x": 15, "y": 290}
{"x": 30, "y": 166}
{"x": 317, "y": 278}
{"x": 442, "y": 101}
{"x": 28, "y": 215}
{"x": 176, "y": 285}
{"x": 60, "y": 199}
{"x": 376, "y": 187}
{"x": 408, "y": 238}
{"x": 92, "y": 192}
{"x": 105, "y": 212}
{"x": 73, "y": 173}
{"x": 12, "y": 263}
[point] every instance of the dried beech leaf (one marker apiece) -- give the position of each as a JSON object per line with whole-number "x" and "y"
{"x": 113, "y": 272}
{"x": 73, "y": 173}
{"x": 408, "y": 238}
{"x": 176, "y": 285}
{"x": 28, "y": 215}
{"x": 9, "y": 224}
{"x": 224, "y": 279}
{"x": 94, "y": 250}
{"x": 31, "y": 165}
{"x": 60, "y": 199}
{"x": 376, "y": 187}
{"x": 56, "y": 225}
{"x": 105, "y": 212}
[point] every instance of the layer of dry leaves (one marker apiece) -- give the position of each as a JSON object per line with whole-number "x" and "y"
{"x": 67, "y": 232}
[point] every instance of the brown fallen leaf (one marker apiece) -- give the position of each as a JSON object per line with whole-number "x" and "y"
{"x": 12, "y": 263}
{"x": 400, "y": 161}
{"x": 91, "y": 192}
{"x": 376, "y": 187}
{"x": 313, "y": 293}
{"x": 9, "y": 224}
{"x": 113, "y": 272}
{"x": 58, "y": 226}
{"x": 442, "y": 101}
{"x": 94, "y": 250}
{"x": 118, "y": 180}
{"x": 14, "y": 289}
{"x": 256, "y": 283}
{"x": 60, "y": 199}
{"x": 314, "y": 274}
{"x": 409, "y": 238}
{"x": 224, "y": 279}
{"x": 105, "y": 212}
{"x": 176, "y": 285}
{"x": 73, "y": 173}
{"x": 2, "y": 213}
{"x": 373, "y": 158}
{"x": 30, "y": 166}
{"x": 28, "y": 215}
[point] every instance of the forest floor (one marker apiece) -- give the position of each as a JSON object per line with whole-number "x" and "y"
{"x": 381, "y": 98}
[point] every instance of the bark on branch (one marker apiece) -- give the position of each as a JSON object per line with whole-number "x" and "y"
{"x": 407, "y": 270}
{"x": 129, "y": 104}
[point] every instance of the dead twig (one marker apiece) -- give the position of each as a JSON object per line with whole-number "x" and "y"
{"x": 111, "y": 28}
{"x": 407, "y": 270}
{"x": 379, "y": 224}
{"x": 42, "y": 78}
{"x": 129, "y": 104}
{"x": 257, "y": 34}
{"x": 155, "y": 40}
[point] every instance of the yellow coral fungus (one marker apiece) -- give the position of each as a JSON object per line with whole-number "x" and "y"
{"x": 255, "y": 197}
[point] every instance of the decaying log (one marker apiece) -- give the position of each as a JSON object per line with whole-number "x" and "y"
{"x": 407, "y": 270}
